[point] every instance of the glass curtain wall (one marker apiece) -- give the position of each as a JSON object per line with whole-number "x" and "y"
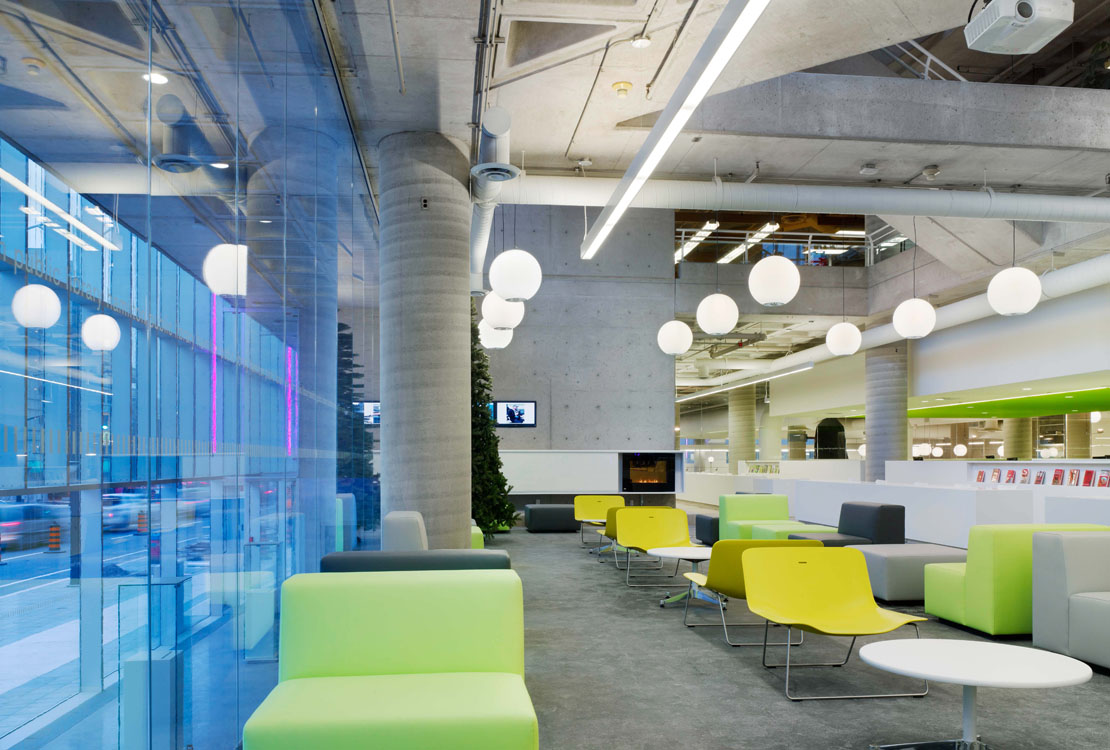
{"x": 179, "y": 191}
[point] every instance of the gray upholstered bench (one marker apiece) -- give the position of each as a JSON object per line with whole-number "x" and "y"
{"x": 707, "y": 529}
{"x": 897, "y": 571}
{"x": 549, "y": 517}
{"x": 435, "y": 559}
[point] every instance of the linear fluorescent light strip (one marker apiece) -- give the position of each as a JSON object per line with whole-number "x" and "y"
{"x": 734, "y": 386}
{"x": 730, "y": 31}
{"x": 696, "y": 240}
{"x": 768, "y": 229}
{"x": 1009, "y": 398}
{"x": 41, "y": 199}
{"x": 851, "y": 233}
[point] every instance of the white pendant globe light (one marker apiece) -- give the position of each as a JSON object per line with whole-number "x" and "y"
{"x": 1001, "y": 452}
{"x": 100, "y": 333}
{"x": 774, "y": 281}
{"x": 843, "y": 339}
{"x": 501, "y": 314}
{"x": 938, "y": 452}
{"x": 914, "y": 319}
{"x": 718, "y": 314}
{"x": 225, "y": 270}
{"x": 960, "y": 450}
{"x": 1014, "y": 291}
{"x": 862, "y": 450}
{"x": 1096, "y": 417}
{"x": 515, "y": 275}
{"x": 916, "y": 450}
{"x": 1053, "y": 452}
{"x": 1043, "y": 452}
{"x": 36, "y": 306}
{"x": 493, "y": 338}
{"x": 675, "y": 337}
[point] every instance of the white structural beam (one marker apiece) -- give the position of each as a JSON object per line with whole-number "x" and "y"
{"x": 726, "y": 36}
{"x": 738, "y": 196}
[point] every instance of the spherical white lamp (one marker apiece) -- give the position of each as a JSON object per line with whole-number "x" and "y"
{"x": 718, "y": 314}
{"x": 862, "y": 450}
{"x": 1096, "y": 417}
{"x": 914, "y": 319}
{"x": 500, "y": 313}
{"x": 938, "y": 452}
{"x": 1043, "y": 452}
{"x": 843, "y": 339}
{"x": 915, "y": 450}
{"x": 36, "y": 306}
{"x": 225, "y": 270}
{"x": 1014, "y": 291}
{"x": 960, "y": 450}
{"x": 1053, "y": 452}
{"x": 515, "y": 275}
{"x": 493, "y": 338}
{"x": 100, "y": 333}
{"x": 675, "y": 337}
{"x": 1001, "y": 452}
{"x": 774, "y": 281}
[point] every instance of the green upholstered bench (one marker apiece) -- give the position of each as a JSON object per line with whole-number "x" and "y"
{"x": 366, "y": 660}
{"x": 993, "y": 591}
{"x": 739, "y": 512}
{"x": 783, "y": 529}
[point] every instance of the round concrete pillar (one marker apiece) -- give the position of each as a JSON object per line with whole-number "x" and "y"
{"x": 886, "y": 402}
{"x": 741, "y": 427}
{"x": 1017, "y": 438}
{"x": 796, "y": 442}
{"x": 1077, "y": 435}
{"x": 770, "y": 438}
{"x": 425, "y": 333}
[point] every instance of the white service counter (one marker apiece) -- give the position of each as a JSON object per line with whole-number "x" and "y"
{"x": 707, "y": 487}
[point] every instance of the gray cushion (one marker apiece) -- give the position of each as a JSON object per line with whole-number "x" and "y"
{"x": 436, "y": 559}
{"x": 549, "y": 517}
{"x": 1090, "y": 623}
{"x": 878, "y": 522}
{"x": 897, "y": 571}
{"x": 833, "y": 540}
{"x": 707, "y": 529}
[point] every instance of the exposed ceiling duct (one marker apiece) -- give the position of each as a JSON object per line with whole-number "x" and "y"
{"x": 736, "y": 196}
{"x": 487, "y": 178}
{"x": 1060, "y": 283}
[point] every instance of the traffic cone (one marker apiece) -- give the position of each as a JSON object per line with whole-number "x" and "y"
{"x": 142, "y": 524}
{"x": 54, "y": 541}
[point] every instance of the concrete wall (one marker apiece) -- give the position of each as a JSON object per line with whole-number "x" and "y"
{"x": 586, "y": 351}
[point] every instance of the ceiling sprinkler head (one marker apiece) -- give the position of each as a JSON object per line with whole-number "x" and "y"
{"x": 33, "y": 65}
{"x": 869, "y": 169}
{"x": 930, "y": 172}
{"x": 640, "y": 41}
{"x": 585, "y": 161}
{"x": 622, "y": 88}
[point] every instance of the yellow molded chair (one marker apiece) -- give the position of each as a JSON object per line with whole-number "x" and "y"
{"x": 644, "y": 528}
{"x": 609, "y": 531}
{"x": 589, "y": 510}
{"x": 725, "y": 579}
{"x": 824, "y": 591}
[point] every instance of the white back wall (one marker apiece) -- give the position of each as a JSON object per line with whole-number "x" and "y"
{"x": 1066, "y": 336}
{"x": 586, "y": 351}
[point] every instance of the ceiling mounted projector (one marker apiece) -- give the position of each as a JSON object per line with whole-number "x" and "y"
{"x": 1018, "y": 27}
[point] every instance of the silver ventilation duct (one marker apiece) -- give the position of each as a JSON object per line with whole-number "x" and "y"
{"x": 486, "y": 179}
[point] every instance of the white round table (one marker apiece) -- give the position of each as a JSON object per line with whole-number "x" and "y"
{"x": 695, "y": 555}
{"x": 973, "y": 664}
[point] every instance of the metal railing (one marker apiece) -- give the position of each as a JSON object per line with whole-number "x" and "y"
{"x": 919, "y": 62}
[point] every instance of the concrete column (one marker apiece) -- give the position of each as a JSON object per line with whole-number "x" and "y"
{"x": 1077, "y": 435}
{"x": 796, "y": 442}
{"x": 677, "y": 423}
{"x": 741, "y": 427}
{"x": 886, "y": 402}
{"x": 770, "y": 438}
{"x": 425, "y": 333}
{"x": 1017, "y": 438}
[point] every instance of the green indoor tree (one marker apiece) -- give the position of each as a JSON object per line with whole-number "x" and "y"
{"x": 489, "y": 491}
{"x": 354, "y": 466}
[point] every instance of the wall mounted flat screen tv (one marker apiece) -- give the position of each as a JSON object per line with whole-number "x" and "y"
{"x": 514, "y": 413}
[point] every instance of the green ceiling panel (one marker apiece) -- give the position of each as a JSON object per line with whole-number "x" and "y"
{"x": 1097, "y": 399}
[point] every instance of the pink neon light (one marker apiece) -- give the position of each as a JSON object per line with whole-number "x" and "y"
{"x": 296, "y": 398}
{"x": 215, "y": 363}
{"x": 289, "y": 401}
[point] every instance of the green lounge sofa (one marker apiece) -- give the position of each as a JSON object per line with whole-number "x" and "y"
{"x": 738, "y": 513}
{"x": 784, "y": 529}
{"x": 993, "y": 591}
{"x": 365, "y": 661}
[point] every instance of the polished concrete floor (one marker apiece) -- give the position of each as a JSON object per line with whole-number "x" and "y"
{"x": 608, "y": 668}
